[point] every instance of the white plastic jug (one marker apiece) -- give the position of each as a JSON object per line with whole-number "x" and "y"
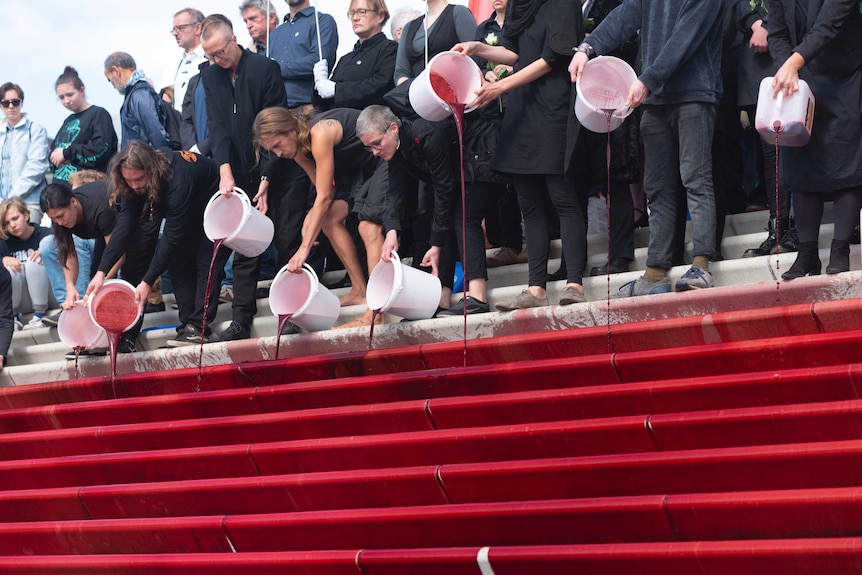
{"x": 77, "y": 329}
{"x": 604, "y": 85}
{"x": 244, "y": 229}
{"x": 791, "y": 117}
{"x": 454, "y": 69}
{"x": 309, "y": 303}
{"x": 402, "y": 290}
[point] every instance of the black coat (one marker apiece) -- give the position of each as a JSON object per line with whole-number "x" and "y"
{"x": 362, "y": 77}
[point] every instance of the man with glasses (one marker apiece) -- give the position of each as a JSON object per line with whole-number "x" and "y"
{"x": 187, "y": 32}
{"x": 239, "y": 84}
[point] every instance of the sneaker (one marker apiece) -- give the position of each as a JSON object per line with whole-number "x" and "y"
{"x": 523, "y": 300}
{"x": 504, "y": 257}
{"x": 52, "y": 320}
{"x": 473, "y": 306}
{"x": 126, "y": 345}
{"x": 641, "y": 287}
{"x": 188, "y": 335}
{"x": 34, "y": 323}
{"x": 17, "y": 325}
{"x": 225, "y": 294}
{"x": 233, "y": 332}
{"x": 694, "y": 278}
{"x": 95, "y": 352}
{"x": 617, "y": 265}
{"x": 571, "y": 295}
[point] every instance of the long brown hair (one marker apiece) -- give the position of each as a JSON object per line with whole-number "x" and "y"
{"x": 138, "y": 156}
{"x": 277, "y": 121}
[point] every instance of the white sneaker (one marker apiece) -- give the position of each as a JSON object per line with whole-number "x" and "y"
{"x": 18, "y": 326}
{"x": 34, "y": 323}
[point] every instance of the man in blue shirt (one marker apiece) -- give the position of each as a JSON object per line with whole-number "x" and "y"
{"x": 294, "y": 46}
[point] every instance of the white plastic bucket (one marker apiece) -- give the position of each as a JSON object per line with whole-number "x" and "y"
{"x": 113, "y": 307}
{"x": 604, "y": 85}
{"x": 402, "y": 290}
{"x": 792, "y": 117}
{"x": 458, "y": 71}
{"x": 244, "y": 229}
{"x": 77, "y": 329}
{"x": 310, "y": 304}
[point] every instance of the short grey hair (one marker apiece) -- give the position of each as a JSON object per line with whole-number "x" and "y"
{"x": 375, "y": 119}
{"x": 260, "y": 5}
{"x": 196, "y": 15}
{"x": 401, "y": 17}
{"x": 120, "y": 60}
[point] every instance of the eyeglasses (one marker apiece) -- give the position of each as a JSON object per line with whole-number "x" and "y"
{"x": 218, "y": 54}
{"x": 361, "y": 12}
{"x": 377, "y": 144}
{"x": 179, "y": 28}
{"x": 11, "y": 103}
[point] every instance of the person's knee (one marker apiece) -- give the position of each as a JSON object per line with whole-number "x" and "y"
{"x": 370, "y": 231}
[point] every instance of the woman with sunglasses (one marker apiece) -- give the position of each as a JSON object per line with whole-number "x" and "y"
{"x": 23, "y": 152}
{"x": 86, "y": 140}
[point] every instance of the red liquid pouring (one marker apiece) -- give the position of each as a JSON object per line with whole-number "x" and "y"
{"x": 282, "y": 321}
{"x": 216, "y": 245}
{"x": 777, "y": 127}
{"x": 609, "y": 113}
{"x": 115, "y": 311}
{"x": 374, "y": 314}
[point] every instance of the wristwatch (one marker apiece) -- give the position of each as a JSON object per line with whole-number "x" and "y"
{"x": 264, "y": 178}
{"x": 586, "y": 49}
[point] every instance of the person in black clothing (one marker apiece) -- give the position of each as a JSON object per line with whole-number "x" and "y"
{"x": 86, "y": 140}
{"x": 6, "y": 315}
{"x": 158, "y": 185}
{"x": 363, "y": 76}
{"x": 238, "y": 85}
{"x": 328, "y": 148}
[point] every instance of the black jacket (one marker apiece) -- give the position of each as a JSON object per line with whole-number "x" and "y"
{"x": 362, "y": 77}
{"x": 231, "y": 110}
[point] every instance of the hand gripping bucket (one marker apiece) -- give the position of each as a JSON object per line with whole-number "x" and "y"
{"x": 232, "y": 217}
{"x": 402, "y": 290}
{"x": 792, "y": 117}
{"x": 604, "y": 85}
{"x": 77, "y": 329}
{"x": 310, "y": 305}
{"x": 449, "y": 76}
{"x": 113, "y": 307}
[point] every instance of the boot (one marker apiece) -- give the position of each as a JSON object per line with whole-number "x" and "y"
{"x": 807, "y": 262}
{"x": 839, "y": 257}
{"x": 788, "y": 241}
{"x": 768, "y": 244}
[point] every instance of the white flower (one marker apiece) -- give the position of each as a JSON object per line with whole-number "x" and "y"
{"x": 491, "y": 39}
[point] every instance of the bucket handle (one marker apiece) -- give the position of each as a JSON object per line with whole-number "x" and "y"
{"x": 315, "y": 281}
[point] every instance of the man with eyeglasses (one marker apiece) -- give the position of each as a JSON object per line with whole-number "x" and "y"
{"x": 239, "y": 84}
{"x": 294, "y": 45}
{"x": 187, "y": 32}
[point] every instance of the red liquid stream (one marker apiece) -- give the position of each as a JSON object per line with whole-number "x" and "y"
{"x": 609, "y": 112}
{"x": 216, "y": 245}
{"x": 374, "y": 314}
{"x": 777, "y": 218}
{"x": 442, "y": 88}
{"x": 114, "y": 314}
{"x": 78, "y": 349}
{"x": 282, "y": 321}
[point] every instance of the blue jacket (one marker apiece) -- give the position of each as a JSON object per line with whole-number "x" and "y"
{"x": 680, "y": 45}
{"x": 143, "y": 114}
{"x": 24, "y": 173}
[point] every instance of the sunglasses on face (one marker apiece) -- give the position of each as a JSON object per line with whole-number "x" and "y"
{"x": 9, "y": 103}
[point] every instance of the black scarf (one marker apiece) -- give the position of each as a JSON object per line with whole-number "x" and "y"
{"x": 565, "y": 28}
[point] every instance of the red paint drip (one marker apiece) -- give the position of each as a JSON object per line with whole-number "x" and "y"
{"x": 777, "y": 127}
{"x": 374, "y": 314}
{"x": 609, "y": 112}
{"x": 216, "y": 245}
{"x": 282, "y": 321}
{"x": 458, "y": 115}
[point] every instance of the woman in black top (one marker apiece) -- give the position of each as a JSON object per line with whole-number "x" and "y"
{"x": 155, "y": 185}
{"x": 86, "y": 140}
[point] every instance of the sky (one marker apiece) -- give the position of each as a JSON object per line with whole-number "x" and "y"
{"x": 40, "y": 39}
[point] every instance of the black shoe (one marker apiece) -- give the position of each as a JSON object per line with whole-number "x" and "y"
{"x": 126, "y": 345}
{"x": 473, "y": 306}
{"x": 52, "y": 320}
{"x": 854, "y": 238}
{"x": 95, "y": 352}
{"x": 233, "y": 332}
{"x": 189, "y": 335}
{"x": 618, "y": 266}
{"x": 261, "y": 293}
{"x": 558, "y": 275}
{"x": 342, "y": 283}
{"x": 154, "y": 307}
{"x": 807, "y": 262}
{"x": 839, "y": 258}
{"x": 290, "y": 328}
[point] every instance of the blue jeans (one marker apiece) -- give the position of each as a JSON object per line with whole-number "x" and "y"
{"x": 50, "y": 258}
{"x": 678, "y": 147}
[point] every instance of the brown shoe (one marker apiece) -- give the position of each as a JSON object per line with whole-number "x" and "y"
{"x": 504, "y": 257}
{"x": 571, "y": 295}
{"x": 524, "y": 300}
